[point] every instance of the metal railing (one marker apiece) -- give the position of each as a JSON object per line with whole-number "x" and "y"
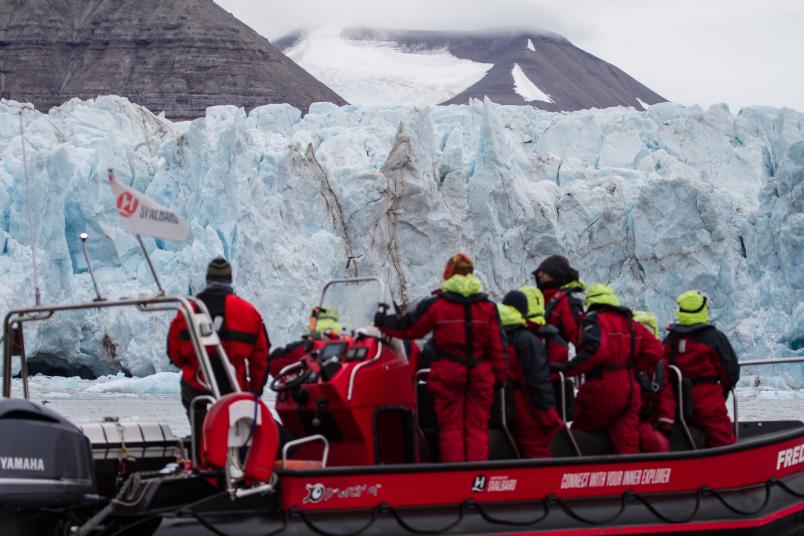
{"x": 680, "y": 404}
{"x": 570, "y": 435}
{"x": 303, "y": 441}
{"x": 504, "y": 422}
{"x": 772, "y": 361}
{"x": 419, "y": 378}
{"x": 199, "y": 327}
{"x": 735, "y": 403}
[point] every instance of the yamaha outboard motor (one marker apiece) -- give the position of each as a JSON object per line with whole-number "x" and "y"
{"x": 45, "y": 464}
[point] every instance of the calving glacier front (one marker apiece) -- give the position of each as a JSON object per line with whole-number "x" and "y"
{"x": 653, "y": 202}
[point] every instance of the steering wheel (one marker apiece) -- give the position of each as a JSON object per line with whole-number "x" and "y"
{"x": 291, "y": 377}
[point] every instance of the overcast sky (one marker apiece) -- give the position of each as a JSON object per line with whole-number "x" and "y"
{"x": 740, "y": 52}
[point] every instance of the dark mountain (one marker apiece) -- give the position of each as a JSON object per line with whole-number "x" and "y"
{"x": 179, "y": 56}
{"x": 562, "y": 73}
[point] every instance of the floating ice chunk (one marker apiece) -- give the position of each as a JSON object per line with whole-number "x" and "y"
{"x": 161, "y": 383}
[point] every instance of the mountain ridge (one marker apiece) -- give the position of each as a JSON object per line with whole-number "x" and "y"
{"x": 179, "y": 57}
{"x": 572, "y": 78}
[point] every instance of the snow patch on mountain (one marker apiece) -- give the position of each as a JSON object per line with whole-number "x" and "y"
{"x": 653, "y": 202}
{"x": 526, "y": 88}
{"x": 530, "y": 46}
{"x": 369, "y": 72}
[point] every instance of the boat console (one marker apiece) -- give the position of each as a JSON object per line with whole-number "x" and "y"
{"x": 356, "y": 390}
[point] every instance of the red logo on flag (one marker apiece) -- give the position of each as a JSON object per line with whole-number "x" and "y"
{"x": 127, "y": 204}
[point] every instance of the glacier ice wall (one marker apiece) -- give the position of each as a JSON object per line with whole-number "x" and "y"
{"x": 653, "y": 202}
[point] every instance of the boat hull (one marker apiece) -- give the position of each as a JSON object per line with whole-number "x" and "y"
{"x": 755, "y": 487}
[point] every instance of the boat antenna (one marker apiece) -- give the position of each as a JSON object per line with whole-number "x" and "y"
{"x": 37, "y": 291}
{"x": 84, "y": 237}
{"x": 151, "y": 266}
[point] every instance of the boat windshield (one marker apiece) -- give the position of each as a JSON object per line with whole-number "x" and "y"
{"x": 355, "y": 300}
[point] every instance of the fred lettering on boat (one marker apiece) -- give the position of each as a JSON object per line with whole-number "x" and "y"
{"x": 790, "y": 457}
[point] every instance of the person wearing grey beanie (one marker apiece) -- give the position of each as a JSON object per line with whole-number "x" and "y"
{"x": 241, "y": 331}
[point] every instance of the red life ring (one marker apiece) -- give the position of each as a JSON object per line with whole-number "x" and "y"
{"x": 230, "y": 424}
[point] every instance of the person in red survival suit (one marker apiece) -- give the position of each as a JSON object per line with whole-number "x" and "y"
{"x": 561, "y": 286}
{"x": 706, "y": 358}
{"x": 242, "y": 334}
{"x": 607, "y": 349}
{"x": 557, "y": 347}
{"x": 536, "y": 420}
{"x": 323, "y": 325}
{"x": 469, "y": 357}
{"x": 658, "y": 411}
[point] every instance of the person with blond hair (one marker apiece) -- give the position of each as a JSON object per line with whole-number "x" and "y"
{"x": 468, "y": 357}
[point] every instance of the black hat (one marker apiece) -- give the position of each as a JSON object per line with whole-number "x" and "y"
{"x": 219, "y": 269}
{"x": 518, "y": 301}
{"x": 557, "y": 267}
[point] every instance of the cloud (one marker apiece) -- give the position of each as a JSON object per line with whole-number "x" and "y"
{"x": 734, "y": 51}
{"x": 280, "y": 17}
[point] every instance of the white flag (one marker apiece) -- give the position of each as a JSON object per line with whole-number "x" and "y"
{"x": 141, "y": 215}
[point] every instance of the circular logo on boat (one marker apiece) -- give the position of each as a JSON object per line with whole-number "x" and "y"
{"x": 127, "y": 204}
{"x": 315, "y": 492}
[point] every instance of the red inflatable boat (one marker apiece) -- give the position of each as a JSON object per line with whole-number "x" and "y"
{"x": 363, "y": 461}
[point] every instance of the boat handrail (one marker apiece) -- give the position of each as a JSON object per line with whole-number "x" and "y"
{"x": 563, "y": 379}
{"x": 734, "y": 401}
{"x": 680, "y": 403}
{"x": 771, "y": 361}
{"x": 356, "y": 369}
{"x": 504, "y": 422}
{"x": 419, "y": 377}
{"x": 736, "y": 417}
{"x": 193, "y": 432}
{"x": 199, "y": 328}
{"x": 758, "y": 362}
{"x": 303, "y": 441}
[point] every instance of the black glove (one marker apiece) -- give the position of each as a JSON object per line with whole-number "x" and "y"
{"x": 666, "y": 430}
{"x": 379, "y": 318}
{"x": 502, "y": 385}
{"x": 557, "y": 367}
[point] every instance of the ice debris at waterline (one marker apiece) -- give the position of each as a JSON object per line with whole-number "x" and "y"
{"x": 653, "y": 202}
{"x": 161, "y": 383}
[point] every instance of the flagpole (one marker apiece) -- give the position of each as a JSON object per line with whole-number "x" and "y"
{"x": 151, "y": 266}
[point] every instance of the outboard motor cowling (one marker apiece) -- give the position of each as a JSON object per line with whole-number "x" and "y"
{"x": 45, "y": 460}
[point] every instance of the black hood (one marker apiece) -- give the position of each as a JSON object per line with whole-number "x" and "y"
{"x": 619, "y": 309}
{"x": 678, "y": 328}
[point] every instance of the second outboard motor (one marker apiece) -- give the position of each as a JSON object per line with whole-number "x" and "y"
{"x": 45, "y": 463}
